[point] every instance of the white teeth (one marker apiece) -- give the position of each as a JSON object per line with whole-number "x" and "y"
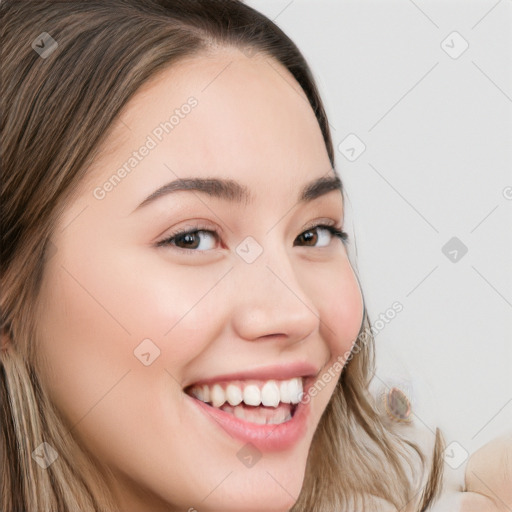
{"x": 234, "y": 395}
{"x": 270, "y": 395}
{"x": 239, "y": 413}
{"x": 284, "y": 390}
{"x": 258, "y": 416}
{"x": 295, "y": 388}
{"x": 252, "y": 395}
{"x": 280, "y": 417}
{"x": 198, "y": 393}
{"x": 218, "y": 396}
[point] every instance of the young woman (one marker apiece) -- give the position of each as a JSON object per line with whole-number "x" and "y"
{"x": 181, "y": 325}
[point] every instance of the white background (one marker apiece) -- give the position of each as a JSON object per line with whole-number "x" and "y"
{"x": 437, "y": 164}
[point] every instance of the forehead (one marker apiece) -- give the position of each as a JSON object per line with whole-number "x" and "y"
{"x": 251, "y": 120}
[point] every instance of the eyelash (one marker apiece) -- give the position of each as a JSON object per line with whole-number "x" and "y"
{"x": 168, "y": 241}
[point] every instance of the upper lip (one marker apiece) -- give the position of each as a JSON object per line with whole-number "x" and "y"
{"x": 281, "y": 371}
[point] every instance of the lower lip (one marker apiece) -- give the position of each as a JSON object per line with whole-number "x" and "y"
{"x": 267, "y": 438}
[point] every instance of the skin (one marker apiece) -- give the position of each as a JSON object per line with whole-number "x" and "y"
{"x": 489, "y": 477}
{"x": 108, "y": 286}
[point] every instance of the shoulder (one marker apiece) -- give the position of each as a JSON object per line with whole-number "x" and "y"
{"x": 489, "y": 471}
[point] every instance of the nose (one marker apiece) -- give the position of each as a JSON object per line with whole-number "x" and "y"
{"x": 270, "y": 301}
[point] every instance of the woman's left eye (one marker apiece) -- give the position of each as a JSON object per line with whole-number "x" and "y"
{"x": 192, "y": 241}
{"x": 331, "y": 230}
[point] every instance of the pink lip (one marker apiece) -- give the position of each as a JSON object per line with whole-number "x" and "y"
{"x": 266, "y": 438}
{"x": 278, "y": 372}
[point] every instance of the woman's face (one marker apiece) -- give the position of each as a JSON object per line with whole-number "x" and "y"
{"x": 131, "y": 318}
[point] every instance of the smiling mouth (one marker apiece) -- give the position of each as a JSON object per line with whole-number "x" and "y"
{"x": 254, "y": 401}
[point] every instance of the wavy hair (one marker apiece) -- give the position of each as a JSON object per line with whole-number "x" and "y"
{"x": 56, "y": 112}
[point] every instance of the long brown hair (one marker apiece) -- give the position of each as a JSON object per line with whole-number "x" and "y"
{"x": 57, "y": 109}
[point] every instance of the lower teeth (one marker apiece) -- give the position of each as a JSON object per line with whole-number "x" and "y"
{"x": 261, "y": 415}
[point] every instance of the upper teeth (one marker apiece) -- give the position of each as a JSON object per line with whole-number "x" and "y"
{"x": 268, "y": 393}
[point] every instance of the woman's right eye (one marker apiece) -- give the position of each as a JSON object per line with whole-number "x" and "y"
{"x": 190, "y": 240}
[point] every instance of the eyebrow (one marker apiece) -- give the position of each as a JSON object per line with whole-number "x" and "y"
{"x": 230, "y": 190}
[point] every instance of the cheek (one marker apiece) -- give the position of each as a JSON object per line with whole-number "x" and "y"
{"x": 340, "y": 305}
{"x": 93, "y": 318}
{"x": 338, "y": 296}
{"x": 98, "y": 322}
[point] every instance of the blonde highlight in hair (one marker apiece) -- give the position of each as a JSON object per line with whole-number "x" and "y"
{"x": 57, "y": 111}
